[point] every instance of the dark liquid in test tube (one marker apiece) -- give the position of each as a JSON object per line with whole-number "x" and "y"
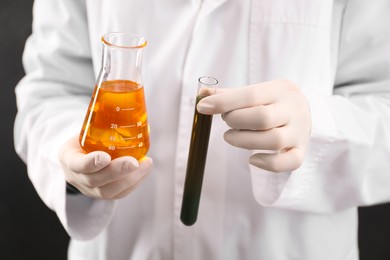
{"x": 196, "y": 164}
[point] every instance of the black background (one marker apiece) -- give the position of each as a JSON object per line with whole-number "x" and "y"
{"x": 28, "y": 229}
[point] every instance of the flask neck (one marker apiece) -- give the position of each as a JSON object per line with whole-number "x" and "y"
{"x": 122, "y": 57}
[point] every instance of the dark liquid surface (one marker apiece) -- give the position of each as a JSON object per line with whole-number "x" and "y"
{"x": 195, "y": 167}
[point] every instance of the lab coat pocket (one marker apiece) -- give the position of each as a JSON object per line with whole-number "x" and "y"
{"x": 291, "y": 40}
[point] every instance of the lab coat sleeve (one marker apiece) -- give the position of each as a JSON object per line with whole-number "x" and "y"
{"x": 52, "y": 100}
{"x": 348, "y": 159}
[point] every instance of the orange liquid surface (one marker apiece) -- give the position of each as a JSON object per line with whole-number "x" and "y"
{"x": 116, "y": 121}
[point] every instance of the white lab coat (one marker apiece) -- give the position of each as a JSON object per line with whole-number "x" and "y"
{"x": 336, "y": 51}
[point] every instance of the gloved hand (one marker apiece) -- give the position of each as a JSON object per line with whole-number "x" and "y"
{"x": 271, "y": 116}
{"x": 96, "y": 176}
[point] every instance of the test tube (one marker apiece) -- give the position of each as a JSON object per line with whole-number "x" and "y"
{"x": 197, "y": 154}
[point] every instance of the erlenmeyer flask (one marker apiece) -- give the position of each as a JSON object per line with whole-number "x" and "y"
{"x": 116, "y": 120}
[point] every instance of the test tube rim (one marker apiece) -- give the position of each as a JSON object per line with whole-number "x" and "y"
{"x": 202, "y": 83}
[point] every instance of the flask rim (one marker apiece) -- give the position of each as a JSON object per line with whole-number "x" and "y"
{"x": 141, "y": 42}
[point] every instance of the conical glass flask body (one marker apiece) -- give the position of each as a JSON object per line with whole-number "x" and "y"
{"x": 116, "y": 120}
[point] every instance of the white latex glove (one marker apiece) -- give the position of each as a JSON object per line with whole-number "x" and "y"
{"x": 96, "y": 176}
{"x": 272, "y": 116}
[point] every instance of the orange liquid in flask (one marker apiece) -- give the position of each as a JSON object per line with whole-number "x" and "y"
{"x": 116, "y": 121}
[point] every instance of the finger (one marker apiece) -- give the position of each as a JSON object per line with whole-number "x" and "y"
{"x": 288, "y": 160}
{"x": 273, "y": 139}
{"x": 257, "y": 117}
{"x": 117, "y": 169}
{"x": 130, "y": 189}
{"x": 137, "y": 183}
{"x": 235, "y": 98}
{"x": 125, "y": 185}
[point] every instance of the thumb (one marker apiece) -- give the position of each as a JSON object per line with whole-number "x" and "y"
{"x": 75, "y": 159}
{"x": 79, "y": 162}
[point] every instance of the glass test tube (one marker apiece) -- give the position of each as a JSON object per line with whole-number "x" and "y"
{"x": 197, "y": 154}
